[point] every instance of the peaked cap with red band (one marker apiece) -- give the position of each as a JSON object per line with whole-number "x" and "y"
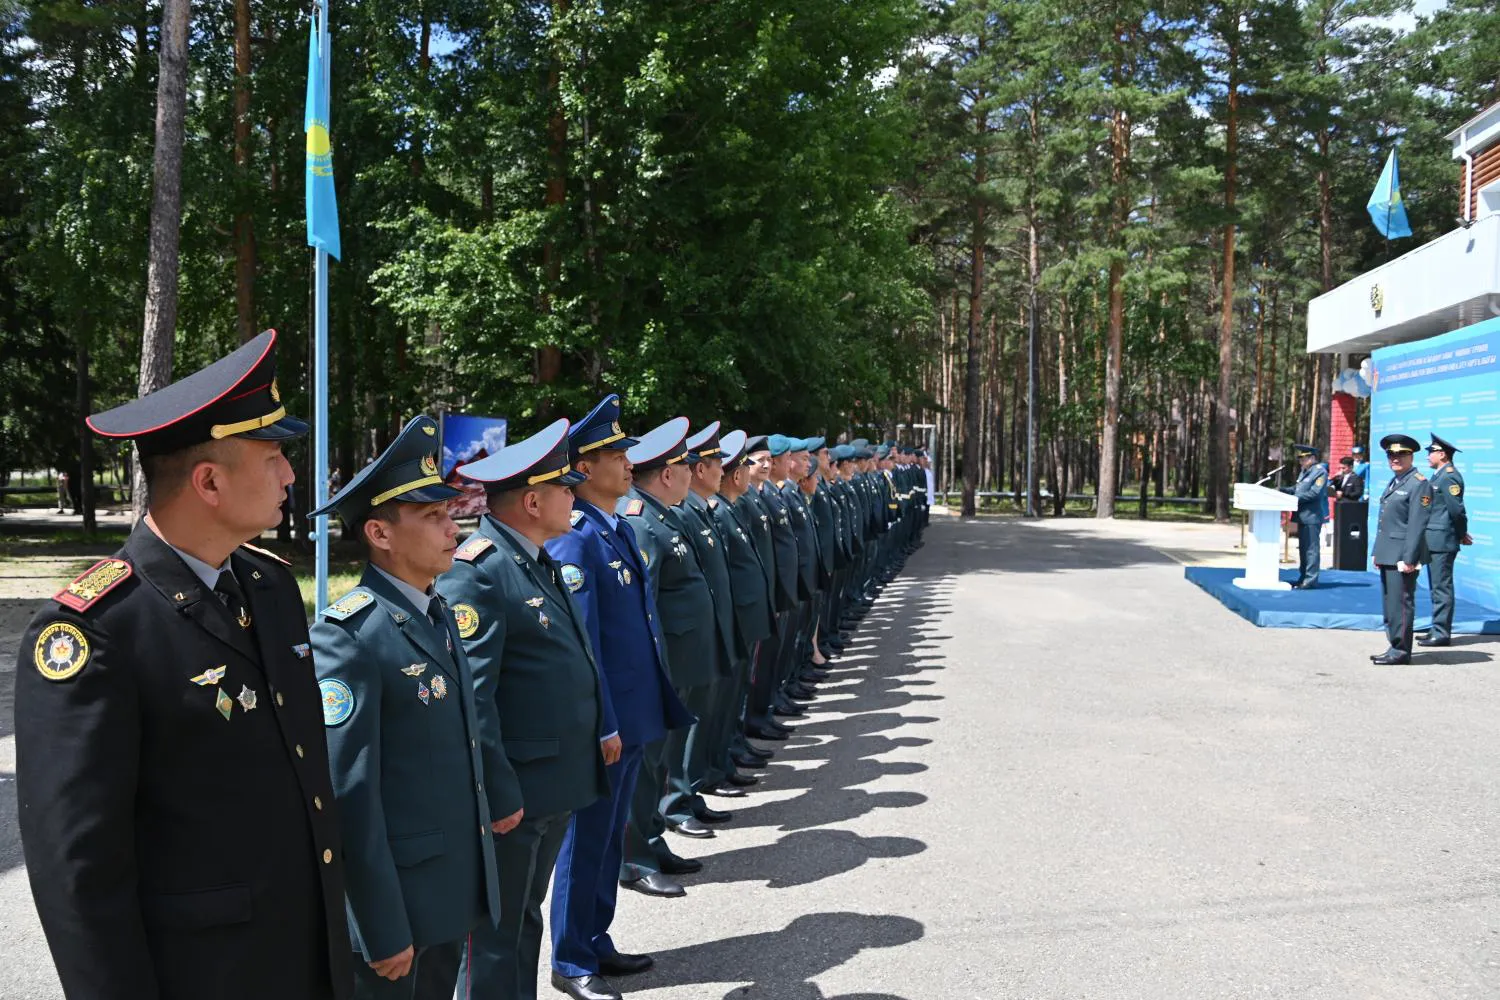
{"x": 234, "y": 396}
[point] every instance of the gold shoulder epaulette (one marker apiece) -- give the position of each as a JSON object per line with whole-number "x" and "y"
{"x": 473, "y": 548}
{"x": 265, "y": 552}
{"x": 93, "y": 583}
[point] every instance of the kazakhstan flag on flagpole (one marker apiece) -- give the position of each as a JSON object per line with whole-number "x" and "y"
{"x": 1386, "y": 208}
{"x": 322, "y": 206}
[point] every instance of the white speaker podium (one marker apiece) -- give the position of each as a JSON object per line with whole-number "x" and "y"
{"x": 1263, "y": 543}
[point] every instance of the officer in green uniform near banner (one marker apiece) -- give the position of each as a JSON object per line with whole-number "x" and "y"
{"x": 1447, "y": 529}
{"x": 1311, "y": 491}
{"x": 547, "y": 746}
{"x": 403, "y": 730}
{"x": 1401, "y": 545}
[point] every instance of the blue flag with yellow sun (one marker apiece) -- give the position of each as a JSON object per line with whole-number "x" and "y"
{"x": 322, "y": 205}
{"x": 1386, "y": 208}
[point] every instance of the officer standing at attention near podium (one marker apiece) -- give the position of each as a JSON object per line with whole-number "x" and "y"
{"x": 1447, "y": 529}
{"x": 403, "y": 733}
{"x": 1311, "y": 491}
{"x": 1401, "y": 545}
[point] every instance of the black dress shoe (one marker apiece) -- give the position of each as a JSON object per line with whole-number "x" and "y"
{"x": 585, "y": 987}
{"x": 798, "y": 692}
{"x": 739, "y": 780}
{"x": 677, "y": 865}
{"x": 767, "y": 733}
{"x": 788, "y": 711}
{"x": 758, "y": 753}
{"x": 1434, "y": 642}
{"x": 814, "y": 674}
{"x": 1392, "y": 658}
{"x": 726, "y": 791}
{"x": 621, "y": 964}
{"x": 745, "y": 760}
{"x": 655, "y": 884}
{"x": 690, "y": 827}
{"x": 707, "y": 815}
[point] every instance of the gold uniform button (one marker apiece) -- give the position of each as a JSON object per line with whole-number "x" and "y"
{"x": 299, "y": 750}
{"x": 327, "y": 857}
{"x": 318, "y": 803}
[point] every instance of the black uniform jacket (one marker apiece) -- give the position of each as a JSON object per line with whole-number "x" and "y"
{"x": 175, "y": 807}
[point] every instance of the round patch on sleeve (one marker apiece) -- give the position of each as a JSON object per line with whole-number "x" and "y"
{"x": 572, "y": 578}
{"x": 338, "y": 701}
{"x": 1455, "y": 489}
{"x": 467, "y": 620}
{"x": 61, "y": 651}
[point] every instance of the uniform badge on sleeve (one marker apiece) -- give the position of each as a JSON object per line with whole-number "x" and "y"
{"x": 338, "y": 701}
{"x": 1426, "y": 500}
{"x": 467, "y": 620}
{"x": 61, "y": 651}
{"x": 572, "y": 578}
{"x": 1456, "y": 490}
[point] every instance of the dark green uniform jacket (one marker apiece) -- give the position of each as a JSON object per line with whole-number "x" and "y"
{"x": 683, "y": 599}
{"x": 1401, "y": 535}
{"x": 530, "y": 656}
{"x": 403, "y": 746}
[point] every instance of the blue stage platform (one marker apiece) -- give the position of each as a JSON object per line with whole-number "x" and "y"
{"x": 1342, "y": 599}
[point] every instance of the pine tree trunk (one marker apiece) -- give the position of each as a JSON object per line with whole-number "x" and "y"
{"x": 1109, "y": 456}
{"x": 166, "y": 215}
{"x": 85, "y": 438}
{"x": 1219, "y": 457}
{"x": 976, "y": 307}
{"x": 244, "y": 220}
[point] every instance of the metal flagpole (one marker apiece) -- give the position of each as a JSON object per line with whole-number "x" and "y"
{"x": 320, "y": 365}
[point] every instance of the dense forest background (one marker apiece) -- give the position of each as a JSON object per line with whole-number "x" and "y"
{"x": 806, "y": 215}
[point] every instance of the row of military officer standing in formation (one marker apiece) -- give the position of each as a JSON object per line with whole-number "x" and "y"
{"x": 216, "y": 802}
{"x": 1422, "y": 522}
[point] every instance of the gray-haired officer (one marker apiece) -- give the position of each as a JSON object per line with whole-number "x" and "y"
{"x": 403, "y": 734}
{"x": 1447, "y": 529}
{"x": 1401, "y": 545}
{"x": 1311, "y": 491}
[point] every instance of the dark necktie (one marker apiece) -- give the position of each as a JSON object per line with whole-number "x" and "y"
{"x": 227, "y": 590}
{"x": 436, "y": 615}
{"x": 549, "y": 566}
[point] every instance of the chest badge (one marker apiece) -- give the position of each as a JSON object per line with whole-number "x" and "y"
{"x": 211, "y": 676}
{"x": 224, "y": 704}
{"x": 439, "y": 686}
{"x": 535, "y": 602}
{"x": 423, "y": 692}
{"x": 415, "y": 670}
{"x": 543, "y": 620}
{"x": 247, "y": 698}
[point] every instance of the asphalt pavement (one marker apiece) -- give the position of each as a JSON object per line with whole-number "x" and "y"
{"x": 1049, "y": 767}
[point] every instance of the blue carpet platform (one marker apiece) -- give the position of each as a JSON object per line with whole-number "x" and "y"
{"x": 1342, "y": 599}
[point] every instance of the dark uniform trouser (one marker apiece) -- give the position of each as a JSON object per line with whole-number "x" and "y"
{"x": 644, "y": 848}
{"x": 1400, "y": 606}
{"x": 434, "y": 971}
{"x": 1310, "y": 548}
{"x": 763, "y": 684}
{"x": 731, "y": 715}
{"x": 501, "y": 962}
{"x": 1440, "y": 582}
{"x": 687, "y": 753}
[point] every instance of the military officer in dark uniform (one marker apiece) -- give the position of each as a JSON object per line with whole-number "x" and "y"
{"x": 602, "y": 567}
{"x": 663, "y": 478}
{"x": 767, "y": 698}
{"x": 403, "y": 733}
{"x": 1401, "y": 544}
{"x": 759, "y": 519}
{"x": 1311, "y": 491}
{"x": 1447, "y": 529}
{"x": 751, "y": 585}
{"x": 709, "y": 774}
{"x": 175, "y": 808}
{"x": 547, "y": 747}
